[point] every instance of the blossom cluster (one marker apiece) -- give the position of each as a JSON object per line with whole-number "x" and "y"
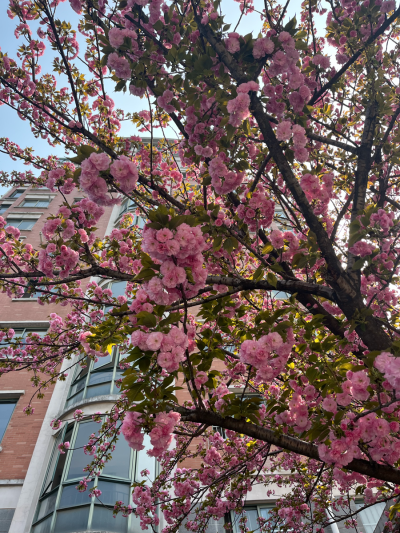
{"x": 171, "y": 346}
{"x": 123, "y": 170}
{"x": 160, "y": 434}
{"x": 176, "y": 250}
{"x": 219, "y": 171}
{"x": 259, "y": 210}
{"x": 269, "y": 355}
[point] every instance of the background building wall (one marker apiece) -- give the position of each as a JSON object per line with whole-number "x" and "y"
{"x": 25, "y": 444}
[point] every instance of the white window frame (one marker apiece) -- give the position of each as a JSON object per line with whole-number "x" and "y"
{"x": 37, "y": 199}
{"x": 34, "y": 217}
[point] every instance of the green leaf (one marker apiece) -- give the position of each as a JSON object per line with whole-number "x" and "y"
{"x": 146, "y": 319}
{"x": 258, "y": 274}
{"x": 299, "y": 260}
{"x": 271, "y": 278}
{"x": 359, "y": 263}
{"x": 120, "y": 86}
{"x": 145, "y": 274}
{"x": 267, "y": 248}
{"x": 301, "y": 45}
{"x": 217, "y": 243}
{"x": 158, "y": 26}
{"x": 230, "y": 244}
{"x": 171, "y": 319}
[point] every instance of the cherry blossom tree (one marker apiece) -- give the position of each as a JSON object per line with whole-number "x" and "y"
{"x": 269, "y": 261}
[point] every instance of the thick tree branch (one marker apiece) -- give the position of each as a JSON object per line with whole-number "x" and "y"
{"x": 292, "y": 444}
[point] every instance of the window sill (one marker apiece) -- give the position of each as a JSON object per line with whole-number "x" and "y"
{"x": 88, "y": 402}
{"x": 9, "y": 394}
{"x": 24, "y": 299}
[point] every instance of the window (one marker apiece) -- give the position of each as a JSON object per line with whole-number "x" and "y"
{"x": 6, "y": 410}
{"x": 31, "y": 202}
{"x": 17, "y": 193}
{"x": 63, "y": 509}
{"x": 96, "y": 379}
{"x": 6, "y": 516}
{"x": 33, "y": 291}
{"x": 4, "y": 207}
{"x": 213, "y": 526}
{"x": 253, "y": 513}
{"x": 22, "y": 334}
{"x": 281, "y": 221}
{"x": 21, "y": 223}
{"x": 220, "y": 430}
{"x": 128, "y": 206}
{"x": 369, "y": 517}
{"x": 118, "y": 289}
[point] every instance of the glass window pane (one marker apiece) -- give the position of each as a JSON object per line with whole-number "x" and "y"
{"x": 370, "y": 517}
{"x": 6, "y": 516}
{"x": 119, "y": 465}
{"x": 111, "y": 492}
{"x": 100, "y": 377}
{"x": 47, "y": 505}
{"x": 71, "y": 496}
{"x": 16, "y": 194}
{"x": 118, "y": 288}
{"x": 98, "y": 390}
{"x": 103, "y": 520}
{"x": 62, "y": 457}
{"x": 139, "y": 221}
{"x": 52, "y": 464}
{"x": 265, "y": 512}
{"x": 6, "y": 410}
{"x": 216, "y": 526}
{"x": 79, "y": 458}
{"x": 26, "y": 224}
{"x": 252, "y": 519}
{"x": 43, "y": 203}
{"x": 102, "y": 361}
{"x": 145, "y": 462}
{"x": 77, "y": 386}
{"x": 72, "y": 520}
{"x": 43, "y": 527}
{"x": 74, "y": 399}
{"x": 29, "y": 203}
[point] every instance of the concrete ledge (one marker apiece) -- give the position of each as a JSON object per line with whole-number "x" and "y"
{"x": 8, "y": 394}
{"x": 24, "y": 323}
{"x": 112, "y": 398}
{"x": 11, "y": 481}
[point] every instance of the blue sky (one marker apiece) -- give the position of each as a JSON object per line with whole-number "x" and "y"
{"x": 19, "y": 131}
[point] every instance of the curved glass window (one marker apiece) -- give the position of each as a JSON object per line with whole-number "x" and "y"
{"x": 63, "y": 509}
{"x": 128, "y": 206}
{"x": 97, "y": 379}
{"x": 117, "y": 288}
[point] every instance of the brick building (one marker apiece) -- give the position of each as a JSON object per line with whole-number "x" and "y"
{"x": 37, "y": 484}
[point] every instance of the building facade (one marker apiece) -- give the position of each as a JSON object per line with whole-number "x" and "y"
{"x": 37, "y": 483}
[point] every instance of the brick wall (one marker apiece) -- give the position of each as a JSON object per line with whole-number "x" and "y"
{"x": 22, "y": 432}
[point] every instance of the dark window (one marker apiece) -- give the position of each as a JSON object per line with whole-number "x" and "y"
{"x": 30, "y": 202}
{"x": 32, "y": 290}
{"x": 63, "y": 509}
{"x": 17, "y": 193}
{"x": 253, "y": 515}
{"x": 4, "y": 207}
{"x": 213, "y": 526}
{"x": 21, "y": 223}
{"x": 6, "y": 410}
{"x": 369, "y": 517}
{"x": 6, "y": 516}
